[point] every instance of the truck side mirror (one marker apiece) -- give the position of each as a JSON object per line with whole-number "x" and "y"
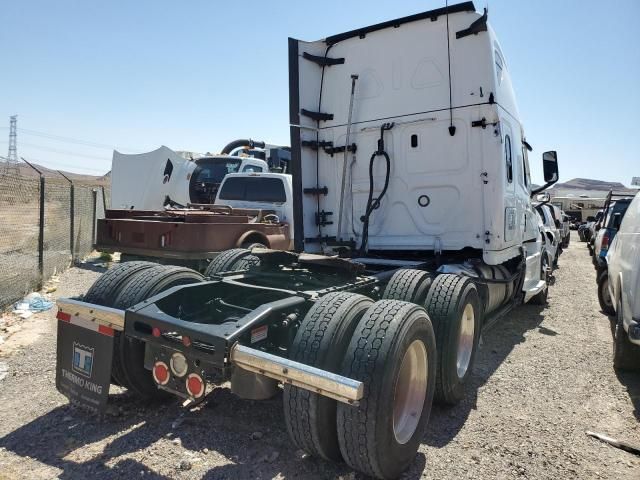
{"x": 550, "y": 166}
{"x": 617, "y": 220}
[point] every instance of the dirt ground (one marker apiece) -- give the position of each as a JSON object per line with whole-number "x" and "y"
{"x": 542, "y": 378}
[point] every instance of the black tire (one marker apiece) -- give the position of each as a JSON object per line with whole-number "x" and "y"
{"x": 366, "y": 433}
{"x": 252, "y": 245}
{"x": 606, "y": 302}
{"x": 231, "y": 260}
{"x": 408, "y": 285}
{"x": 105, "y": 290}
{"x": 321, "y": 341}
{"x": 447, "y": 299}
{"x": 542, "y": 297}
{"x": 626, "y": 355}
{"x": 107, "y": 287}
{"x": 128, "y": 352}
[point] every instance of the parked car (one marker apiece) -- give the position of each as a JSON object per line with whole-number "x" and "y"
{"x": 565, "y": 222}
{"x": 551, "y": 231}
{"x": 592, "y": 230}
{"x": 606, "y": 231}
{"x": 623, "y": 283}
{"x": 583, "y": 230}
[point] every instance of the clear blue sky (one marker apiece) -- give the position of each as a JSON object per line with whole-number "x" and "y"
{"x": 194, "y": 75}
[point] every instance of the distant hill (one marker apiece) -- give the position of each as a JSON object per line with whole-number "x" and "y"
{"x": 26, "y": 171}
{"x": 588, "y": 188}
{"x": 589, "y": 184}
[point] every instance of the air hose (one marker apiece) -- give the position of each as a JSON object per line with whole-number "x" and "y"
{"x": 374, "y": 203}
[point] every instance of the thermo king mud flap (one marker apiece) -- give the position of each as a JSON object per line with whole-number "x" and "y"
{"x": 83, "y": 361}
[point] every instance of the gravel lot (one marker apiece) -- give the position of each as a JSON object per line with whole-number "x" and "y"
{"x": 542, "y": 378}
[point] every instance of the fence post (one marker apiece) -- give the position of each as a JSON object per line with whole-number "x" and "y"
{"x": 72, "y": 217}
{"x": 94, "y": 194}
{"x": 104, "y": 201}
{"x": 40, "y": 228}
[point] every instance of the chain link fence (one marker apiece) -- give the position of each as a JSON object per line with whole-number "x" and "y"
{"x": 46, "y": 224}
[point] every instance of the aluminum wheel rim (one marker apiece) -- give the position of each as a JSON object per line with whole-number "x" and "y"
{"x": 410, "y": 391}
{"x": 465, "y": 340}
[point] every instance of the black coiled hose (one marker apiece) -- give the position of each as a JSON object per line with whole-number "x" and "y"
{"x": 374, "y": 203}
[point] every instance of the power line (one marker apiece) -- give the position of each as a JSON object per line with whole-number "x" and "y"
{"x": 86, "y": 143}
{"x": 65, "y": 165}
{"x": 64, "y": 152}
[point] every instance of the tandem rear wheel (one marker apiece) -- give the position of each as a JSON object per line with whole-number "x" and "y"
{"x": 454, "y": 307}
{"x": 388, "y": 345}
{"x": 232, "y": 260}
{"x": 123, "y": 286}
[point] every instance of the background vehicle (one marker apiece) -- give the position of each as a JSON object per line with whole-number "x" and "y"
{"x": 565, "y": 221}
{"x": 584, "y": 231}
{"x": 250, "y": 209}
{"x": 549, "y": 241}
{"x": 623, "y": 268}
{"x": 606, "y": 228}
{"x": 590, "y": 233}
{"x": 552, "y": 233}
{"x": 154, "y": 180}
{"x": 352, "y": 338}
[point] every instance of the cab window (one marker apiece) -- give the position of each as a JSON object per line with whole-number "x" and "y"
{"x": 499, "y": 67}
{"x": 526, "y": 175}
{"x": 509, "y": 158}
{"x": 252, "y": 168}
{"x": 253, "y": 189}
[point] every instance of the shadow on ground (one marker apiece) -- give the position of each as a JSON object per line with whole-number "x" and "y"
{"x": 630, "y": 379}
{"x": 497, "y": 344}
{"x": 224, "y": 424}
{"x": 94, "y": 265}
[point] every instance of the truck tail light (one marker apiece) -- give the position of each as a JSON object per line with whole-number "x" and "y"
{"x": 195, "y": 385}
{"x": 605, "y": 241}
{"x": 161, "y": 373}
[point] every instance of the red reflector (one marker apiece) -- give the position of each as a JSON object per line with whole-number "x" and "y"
{"x": 156, "y": 332}
{"x": 105, "y": 330}
{"x": 195, "y": 385}
{"x": 186, "y": 341}
{"x": 65, "y": 317}
{"x": 161, "y": 373}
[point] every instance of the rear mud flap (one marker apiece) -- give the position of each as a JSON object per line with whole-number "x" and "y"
{"x": 83, "y": 362}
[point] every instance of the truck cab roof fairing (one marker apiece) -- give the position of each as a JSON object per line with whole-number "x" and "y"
{"x": 431, "y": 14}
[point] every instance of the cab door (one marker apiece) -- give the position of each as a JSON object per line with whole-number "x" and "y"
{"x": 511, "y": 214}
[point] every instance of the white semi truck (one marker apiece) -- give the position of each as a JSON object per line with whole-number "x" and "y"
{"x": 414, "y": 231}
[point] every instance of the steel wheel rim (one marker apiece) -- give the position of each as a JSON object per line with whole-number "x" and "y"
{"x": 605, "y": 293}
{"x": 465, "y": 340}
{"x": 410, "y": 391}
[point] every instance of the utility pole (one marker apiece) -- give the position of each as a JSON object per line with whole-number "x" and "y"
{"x": 11, "y": 166}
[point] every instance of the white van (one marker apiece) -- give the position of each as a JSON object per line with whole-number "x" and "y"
{"x": 623, "y": 263}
